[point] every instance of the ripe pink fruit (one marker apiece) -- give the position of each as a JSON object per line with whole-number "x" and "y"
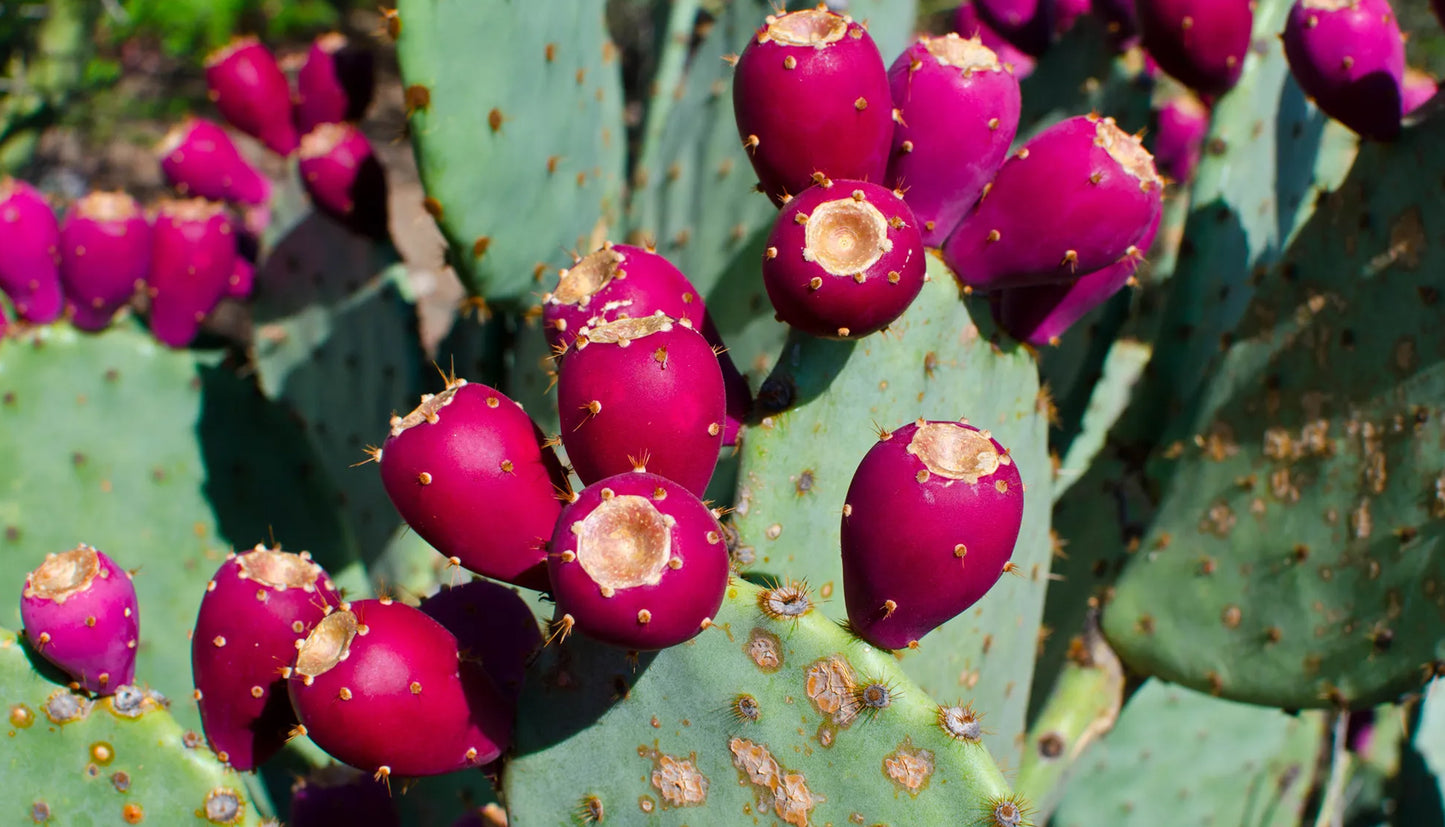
{"x": 493, "y": 626}
{"x": 1074, "y": 199}
{"x": 381, "y": 686}
{"x": 192, "y": 259}
{"x": 30, "y": 267}
{"x": 1182, "y": 124}
{"x": 80, "y": 613}
{"x": 958, "y": 110}
{"x": 256, "y": 606}
{"x": 967, "y": 24}
{"x": 644, "y": 392}
{"x": 1027, "y": 24}
{"x": 844, "y": 260}
{"x": 931, "y": 518}
{"x": 335, "y": 83}
{"x": 1040, "y": 315}
{"x": 621, "y": 281}
{"x": 344, "y": 178}
{"x": 1200, "y": 43}
{"x": 1349, "y": 57}
{"x": 469, "y": 472}
{"x": 105, "y": 255}
{"x": 249, "y": 88}
{"x": 811, "y": 96}
{"x": 638, "y": 561}
{"x": 200, "y": 161}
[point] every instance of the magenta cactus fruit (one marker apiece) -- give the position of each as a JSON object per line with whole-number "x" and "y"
{"x": 493, "y": 626}
{"x": 381, "y": 686}
{"x": 1349, "y": 57}
{"x": 201, "y": 161}
{"x": 844, "y": 260}
{"x": 193, "y": 256}
{"x": 811, "y": 96}
{"x": 252, "y": 93}
{"x": 930, "y": 521}
{"x": 344, "y": 178}
{"x": 1074, "y": 199}
{"x": 105, "y": 255}
{"x": 470, "y": 473}
{"x": 338, "y": 794}
{"x": 30, "y": 267}
{"x": 1040, "y": 315}
{"x": 335, "y": 83}
{"x": 1182, "y": 121}
{"x": 256, "y": 606}
{"x": 958, "y": 112}
{"x": 80, "y": 613}
{"x": 1416, "y": 87}
{"x": 1200, "y": 43}
{"x": 638, "y": 561}
{"x": 1027, "y": 24}
{"x": 621, "y": 281}
{"x": 968, "y": 24}
{"x": 642, "y": 393}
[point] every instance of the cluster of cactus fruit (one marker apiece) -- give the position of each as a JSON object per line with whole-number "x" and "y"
{"x": 916, "y": 245}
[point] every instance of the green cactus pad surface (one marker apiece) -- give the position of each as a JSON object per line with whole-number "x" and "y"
{"x": 122, "y": 759}
{"x": 164, "y": 460}
{"x": 760, "y": 719}
{"x": 516, "y": 119}
{"x": 1298, "y": 555}
{"x": 936, "y": 363}
{"x": 1179, "y": 757}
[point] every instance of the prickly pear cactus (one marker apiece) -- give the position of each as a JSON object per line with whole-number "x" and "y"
{"x": 1297, "y": 546}
{"x": 823, "y": 406}
{"x": 516, "y": 118}
{"x": 165, "y": 460}
{"x": 773, "y": 714}
{"x": 1174, "y": 752}
{"x": 121, "y": 759}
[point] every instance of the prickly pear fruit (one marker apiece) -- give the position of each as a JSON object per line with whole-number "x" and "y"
{"x": 493, "y": 626}
{"x": 469, "y": 472}
{"x": 1416, "y": 87}
{"x": 616, "y": 282}
{"x": 623, "y": 281}
{"x": 80, "y": 613}
{"x": 1073, "y": 200}
{"x": 638, "y": 393}
{"x": 1040, "y": 315}
{"x": 1182, "y": 121}
{"x": 256, "y": 606}
{"x": 1027, "y": 24}
{"x": 638, "y": 561}
{"x": 844, "y": 260}
{"x": 381, "y": 686}
{"x": 811, "y": 96}
{"x": 1200, "y": 43}
{"x": 193, "y": 256}
{"x": 929, "y": 523}
{"x": 200, "y": 160}
{"x": 335, "y": 83}
{"x": 967, "y": 24}
{"x": 338, "y": 794}
{"x": 30, "y": 266}
{"x": 252, "y": 93}
{"x": 1349, "y": 57}
{"x": 958, "y": 110}
{"x": 105, "y": 254}
{"x": 344, "y": 178}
